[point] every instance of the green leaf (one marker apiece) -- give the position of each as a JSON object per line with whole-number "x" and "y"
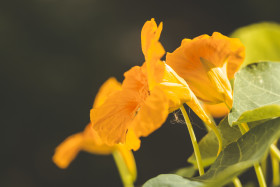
{"x": 171, "y": 180}
{"x": 262, "y": 42}
{"x": 232, "y": 161}
{"x": 208, "y": 145}
{"x": 242, "y": 154}
{"x": 256, "y": 93}
{"x": 186, "y": 171}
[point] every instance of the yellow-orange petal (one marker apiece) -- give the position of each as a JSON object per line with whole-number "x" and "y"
{"x": 217, "y": 110}
{"x": 150, "y": 35}
{"x": 108, "y": 88}
{"x": 68, "y": 150}
{"x": 88, "y": 140}
{"x": 218, "y": 50}
{"x": 112, "y": 119}
{"x": 132, "y": 141}
{"x": 174, "y": 87}
{"x": 152, "y": 113}
{"x": 93, "y": 144}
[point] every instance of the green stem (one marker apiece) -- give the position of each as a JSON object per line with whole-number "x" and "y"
{"x": 126, "y": 177}
{"x": 244, "y": 128}
{"x": 264, "y": 167}
{"x": 214, "y": 128}
{"x": 275, "y": 151}
{"x": 202, "y": 114}
{"x": 236, "y": 182}
{"x": 275, "y": 165}
{"x": 194, "y": 141}
{"x": 260, "y": 176}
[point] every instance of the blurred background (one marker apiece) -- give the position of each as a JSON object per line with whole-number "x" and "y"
{"x": 55, "y": 54}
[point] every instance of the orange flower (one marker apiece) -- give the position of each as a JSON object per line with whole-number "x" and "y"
{"x": 142, "y": 105}
{"x": 147, "y": 96}
{"x": 207, "y": 63}
{"x": 132, "y": 112}
{"x": 89, "y": 140}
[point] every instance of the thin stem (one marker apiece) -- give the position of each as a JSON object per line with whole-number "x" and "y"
{"x": 126, "y": 177}
{"x": 275, "y": 151}
{"x": 236, "y": 182}
{"x": 245, "y": 128}
{"x": 275, "y": 165}
{"x": 197, "y": 108}
{"x": 213, "y": 126}
{"x": 194, "y": 141}
{"x": 260, "y": 176}
{"x": 264, "y": 167}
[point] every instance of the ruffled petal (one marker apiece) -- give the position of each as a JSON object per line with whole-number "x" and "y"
{"x": 92, "y": 143}
{"x": 107, "y": 89}
{"x": 217, "y": 49}
{"x": 152, "y": 114}
{"x": 112, "y": 119}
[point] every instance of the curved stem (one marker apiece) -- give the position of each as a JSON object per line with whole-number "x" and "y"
{"x": 260, "y": 176}
{"x": 126, "y": 177}
{"x": 213, "y": 126}
{"x": 202, "y": 114}
{"x": 275, "y": 165}
{"x": 245, "y": 128}
{"x": 275, "y": 151}
{"x": 194, "y": 141}
{"x": 236, "y": 182}
{"x": 264, "y": 167}
{"x": 275, "y": 158}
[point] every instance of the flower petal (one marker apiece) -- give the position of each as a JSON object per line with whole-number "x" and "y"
{"x": 152, "y": 114}
{"x": 149, "y": 40}
{"x": 112, "y": 119}
{"x": 68, "y": 150}
{"x": 132, "y": 141}
{"x": 93, "y": 144}
{"x": 217, "y": 110}
{"x": 108, "y": 88}
{"x": 218, "y": 50}
{"x": 88, "y": 140}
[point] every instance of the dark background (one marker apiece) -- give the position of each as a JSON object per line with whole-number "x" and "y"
{"x": 55, "y": 54}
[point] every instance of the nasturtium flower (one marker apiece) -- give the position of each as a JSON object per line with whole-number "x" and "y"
{"x": 207, "y": 63}
{"x": 148, "y": 94}
{"x": 89, "y": 140}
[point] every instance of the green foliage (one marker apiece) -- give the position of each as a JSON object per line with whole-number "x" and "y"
{"x": 256, "y": 97}
{"x": 256, "y": 93}
{"x": 171, "y": 180}
{"x": 232, "y": 161}
{"x": 262, "y": 42}
{"x": 186, "y": 171}
{"x": 208, "y": 145}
